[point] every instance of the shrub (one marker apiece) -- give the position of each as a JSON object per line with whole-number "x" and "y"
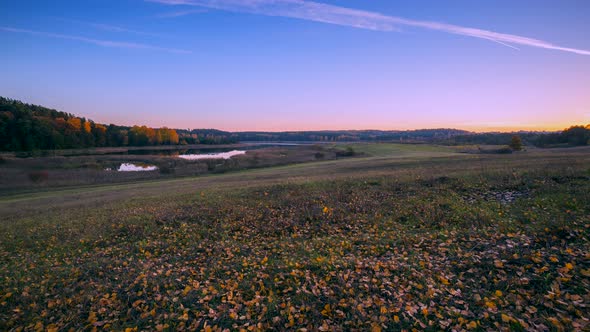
{"x": 505, "y": 150}
{"x": 38, "y": 176}
{"x": 348, "y": 152}
{"x": 166, "y": 170}
{"x": 92, "y": 165}
{"x": 319, "y": 155}
{"x": 211, "y": 164}
{"x": 516, "y": 143}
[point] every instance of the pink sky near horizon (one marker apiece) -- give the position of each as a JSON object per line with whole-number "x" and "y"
{"x": 303, "y": 65}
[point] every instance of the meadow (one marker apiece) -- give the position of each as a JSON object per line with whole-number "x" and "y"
{"x": 398, "y": 237}
{"x": 42, "y": 170}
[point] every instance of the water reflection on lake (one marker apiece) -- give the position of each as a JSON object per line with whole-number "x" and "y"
{"x": 171, "y": 151}
{"x": 218, "y": 155}
{"x": 212, "y": 150}
{"x": 128, "y": 167}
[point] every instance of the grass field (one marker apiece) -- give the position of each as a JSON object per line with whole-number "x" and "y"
{"x": 400, "y": 237}
{"x": 71, "y": 168}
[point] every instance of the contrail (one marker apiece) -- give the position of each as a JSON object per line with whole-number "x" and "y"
{"x": 326, "y": 13}
{"x": 99, "y": 42}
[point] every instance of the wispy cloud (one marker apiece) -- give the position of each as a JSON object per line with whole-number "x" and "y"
{"x": 110, "y": 27}
{"x": 326, "y": 13}
{"x": 98, "y": 42}
{"x": 182, "y": 13}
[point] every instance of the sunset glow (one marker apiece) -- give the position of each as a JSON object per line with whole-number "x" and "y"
{"x": 302, "y": 65}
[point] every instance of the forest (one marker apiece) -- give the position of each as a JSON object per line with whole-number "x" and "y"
{"x": 26, "y": 127}
{"x": 573, "y": 136}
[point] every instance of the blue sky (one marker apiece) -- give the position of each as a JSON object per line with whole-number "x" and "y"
{"x": 298, "y": 65}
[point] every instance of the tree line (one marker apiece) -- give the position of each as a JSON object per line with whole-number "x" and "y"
{"x": 419, "y": 135}
{"x": 25, "y": 127}
{"x": 572, "y": 136}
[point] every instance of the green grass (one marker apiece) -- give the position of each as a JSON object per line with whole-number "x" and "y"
{"x": 364, "y": 243}
{"x": 401, "y": 150}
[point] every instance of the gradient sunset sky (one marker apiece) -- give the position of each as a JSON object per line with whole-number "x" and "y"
{"x": 302, "y": 65}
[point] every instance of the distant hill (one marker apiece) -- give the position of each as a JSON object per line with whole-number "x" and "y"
{"x": 352, "y": 135}
{"x": 25, "y": 127}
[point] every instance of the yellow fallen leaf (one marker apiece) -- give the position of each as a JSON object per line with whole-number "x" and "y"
{"x": 554, "y": 321}
{"x": 162, "y": 327}
{"x": 52, "y": 328}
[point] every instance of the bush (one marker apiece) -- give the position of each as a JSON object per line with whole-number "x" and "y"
{"x": 211, "y": 164}
{"x": 38, "y": 176}
{"x": 319, "y": 155}
{"x": 91, "y": 165}
{"x": 23, "y": 154}
{"x": 516, "y": 143}
{"x": 506, "y": 150}
{"x": 166, "y": 170}
{"x": 348, "y": 152}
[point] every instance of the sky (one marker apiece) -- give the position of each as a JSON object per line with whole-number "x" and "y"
{"x": 281, "y": 65}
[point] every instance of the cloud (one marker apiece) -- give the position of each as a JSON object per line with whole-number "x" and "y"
{"x": 109, "y": 27}
{"x": 326, "y": 13}
{"x": 98, "y": 42}
{"x": 182, "y": 13}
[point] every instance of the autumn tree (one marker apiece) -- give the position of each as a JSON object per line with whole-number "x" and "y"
{"x": 100, "y": 135}
{"x": 140, "y": 136}
{"x": 516, "y": 143}
{"x": 74, "y": 124}
{"x": 167, "y": 136}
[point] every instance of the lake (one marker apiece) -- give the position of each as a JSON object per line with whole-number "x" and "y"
{"x": 135, "y": 167}
{"x": 217, "y": 155}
